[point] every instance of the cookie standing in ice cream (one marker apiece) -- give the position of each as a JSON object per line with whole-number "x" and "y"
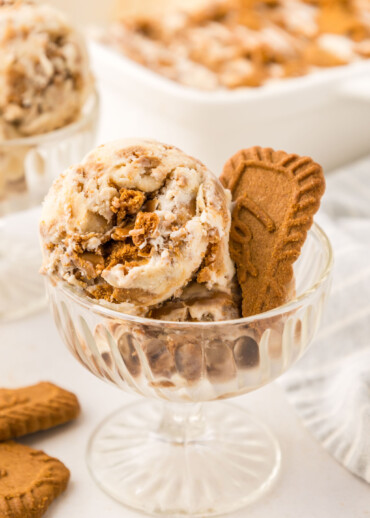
{"x": 135, "y": 223}
{"x": 276, "y": 195}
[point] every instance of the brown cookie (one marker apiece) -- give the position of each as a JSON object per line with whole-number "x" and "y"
{"x": 276, "y": 195}
{"x": 31, "y": 409}
{"x": 29, "y": 481}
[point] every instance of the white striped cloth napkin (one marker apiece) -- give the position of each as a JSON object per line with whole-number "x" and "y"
{"x": 330, "y": 386}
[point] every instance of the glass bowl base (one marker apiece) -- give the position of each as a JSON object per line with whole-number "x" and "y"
{"x": 183, "y": 459}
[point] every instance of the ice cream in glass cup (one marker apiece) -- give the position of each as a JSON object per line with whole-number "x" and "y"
{"x": 48, "y": 120}
{"x": 144, "y": 293}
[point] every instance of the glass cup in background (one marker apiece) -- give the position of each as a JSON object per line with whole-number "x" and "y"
{"x": 27, "y": 168}
{"x": 176, "y": 453}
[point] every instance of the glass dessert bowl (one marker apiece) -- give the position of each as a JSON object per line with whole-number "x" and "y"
{"x": 48, "y": 115}
{"x": 28, "y": 167}
{"x": 208, "y": 458}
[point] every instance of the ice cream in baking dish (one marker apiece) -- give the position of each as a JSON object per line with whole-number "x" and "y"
{"x": 134, "y": 223}
{"x": 236, "y": 43}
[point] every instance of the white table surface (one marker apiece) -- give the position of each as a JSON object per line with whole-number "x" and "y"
{"x": 311, "y": 484}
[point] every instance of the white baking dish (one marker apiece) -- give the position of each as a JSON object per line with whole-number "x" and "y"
{"x": 325, "y": 115}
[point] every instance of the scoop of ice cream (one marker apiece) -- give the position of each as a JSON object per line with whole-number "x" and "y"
{"x": 44, "y": 69}
{"x": 135, "y": 222}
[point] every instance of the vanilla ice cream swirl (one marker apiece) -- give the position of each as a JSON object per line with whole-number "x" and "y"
{"x": 135, "y": 222}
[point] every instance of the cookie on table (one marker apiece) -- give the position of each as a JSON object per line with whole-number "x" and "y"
{"x": 276, "y": 195}
{"x": 29, "y": 481}
{"x": 34, "y": 408}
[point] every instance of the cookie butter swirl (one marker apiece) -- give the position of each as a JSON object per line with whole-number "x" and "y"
{"x": 135, "y": 222}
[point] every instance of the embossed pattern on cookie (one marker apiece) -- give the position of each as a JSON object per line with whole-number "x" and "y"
{"x": 29, "y": 481}
{"x": 276, "y": 195}
{"x": 34, "y": 408}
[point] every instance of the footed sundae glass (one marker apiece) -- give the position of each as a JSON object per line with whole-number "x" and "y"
{"x": 28, "y": 167}
{"x": 180, "y": 451}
